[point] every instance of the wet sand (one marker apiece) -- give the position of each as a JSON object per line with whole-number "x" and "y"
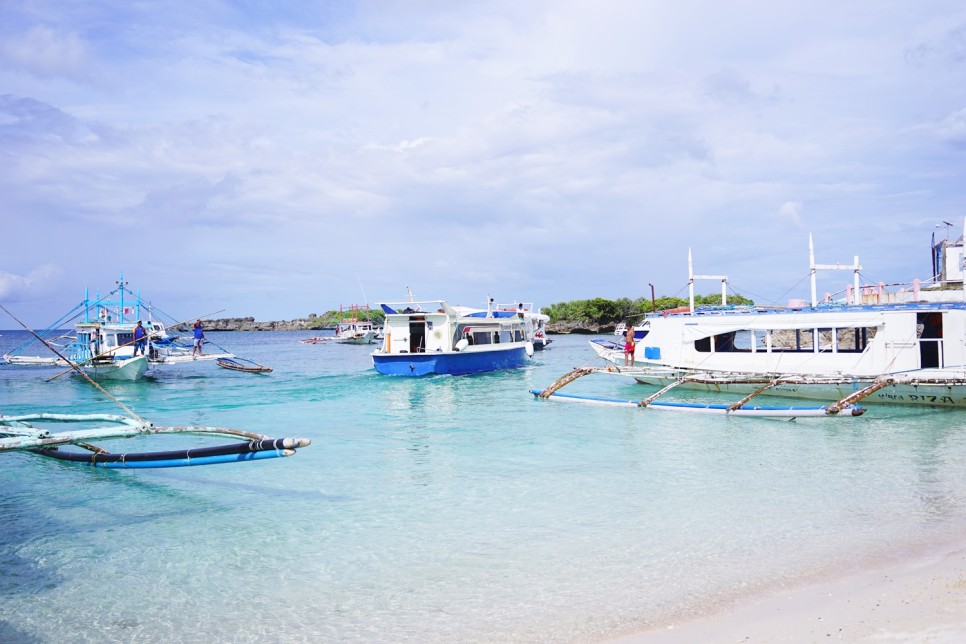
{"x": 918, "y": 600}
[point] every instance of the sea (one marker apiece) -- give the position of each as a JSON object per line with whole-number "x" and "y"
{"x": 447, "y": 509}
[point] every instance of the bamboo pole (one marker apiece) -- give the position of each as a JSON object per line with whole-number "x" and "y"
{"x": 72, "y": 365}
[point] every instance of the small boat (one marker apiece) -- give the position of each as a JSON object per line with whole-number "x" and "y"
{"x": 352, "y": 328}
{"x": 901, "y": 347}
{"x": 242, "y": 364}
{"x": 432, "y": 337}
{"x": 36, "y": 433}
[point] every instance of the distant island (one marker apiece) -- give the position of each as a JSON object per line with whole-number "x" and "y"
{"x": 591, "y": 317}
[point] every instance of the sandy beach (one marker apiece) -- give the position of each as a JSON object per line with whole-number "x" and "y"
{"x": 918, "y": 600}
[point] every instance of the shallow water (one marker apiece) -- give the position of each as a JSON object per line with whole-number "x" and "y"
{"x": 446, "y": 509}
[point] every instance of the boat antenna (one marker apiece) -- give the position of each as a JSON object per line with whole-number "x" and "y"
{"x": 364, "y": 297}
{"x": 73, "y": 366}
{"x": 410, "y": 293}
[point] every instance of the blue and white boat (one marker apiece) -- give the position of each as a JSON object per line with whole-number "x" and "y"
{"x": 432, "y": 337}
{"x": 103, "y": 340}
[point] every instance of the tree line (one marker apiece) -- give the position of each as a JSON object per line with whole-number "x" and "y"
{"x": 603, "y": 311}
{"x": 595, "y": 311}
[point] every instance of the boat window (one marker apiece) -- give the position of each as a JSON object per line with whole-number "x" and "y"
{"x": 826, "y": 340}
{"x": 848, "y": 340}
{"x": 481, "y": 337}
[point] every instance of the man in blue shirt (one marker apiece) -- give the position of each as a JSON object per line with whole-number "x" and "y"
{"x": 199, "y": 338}
{"x": 140, "y": 338}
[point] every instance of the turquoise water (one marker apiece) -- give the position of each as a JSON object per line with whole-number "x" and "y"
{"x": 447, "y": 508}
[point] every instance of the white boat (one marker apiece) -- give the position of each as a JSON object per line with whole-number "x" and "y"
{"x": 108, "y": 324}
{"x": 106, "y": 351}
{"x": 353, "y": 328}
{"x": 354, "y": 331}
{"x": 902, "y": 347}
{"x": 534, "y": 322}
{"x": 432, "y": 337}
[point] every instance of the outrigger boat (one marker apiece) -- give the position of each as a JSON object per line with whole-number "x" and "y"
{"x": 903, "y": 347}
{"x": 242, "y": 364}
{"x": 104, "y": 344}
{"x": 31, "y": 432}
{"x": 432, "y": 337}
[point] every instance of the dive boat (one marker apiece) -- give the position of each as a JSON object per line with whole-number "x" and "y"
{"x": 904, "y": 347}
{"x": 432, "y": 337}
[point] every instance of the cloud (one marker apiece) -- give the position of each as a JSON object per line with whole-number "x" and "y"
{"x": 790, "y": 213}
{"x": 953, "y": 128}
{"x": 14, "y": 287}
{"x": 45, "y": 52}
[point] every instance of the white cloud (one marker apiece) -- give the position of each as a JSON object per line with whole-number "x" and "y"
{"x": 45, "y": 52}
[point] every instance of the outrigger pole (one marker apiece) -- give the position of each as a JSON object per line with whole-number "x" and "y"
{"x": 738, "y": 408}
{"x": 17, "y": 433}
{"x": 72, "y": 365}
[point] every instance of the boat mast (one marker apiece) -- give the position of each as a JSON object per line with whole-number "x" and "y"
{"x": 813, "y": 268}
{"x": 692, "y": 277}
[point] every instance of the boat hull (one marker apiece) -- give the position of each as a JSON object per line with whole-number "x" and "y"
{"x": 926, "y": 388}
{"x": 119, "y": 369}
{"x": 925, "y": 394}
{"x": 455, "y": 363}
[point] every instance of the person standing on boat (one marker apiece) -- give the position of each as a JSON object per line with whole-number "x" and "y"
{"x": 629, "y": 344}
{"x": 140, "y": 338}
{"x": 199, "y": 339}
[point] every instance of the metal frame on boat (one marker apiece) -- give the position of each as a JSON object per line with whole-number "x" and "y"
{"x": 844, "y": 408}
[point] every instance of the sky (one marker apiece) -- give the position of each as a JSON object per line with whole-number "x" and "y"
{"x": 276, "y": 159}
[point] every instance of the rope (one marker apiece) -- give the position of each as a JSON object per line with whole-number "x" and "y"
{"x": 72, "y": 365}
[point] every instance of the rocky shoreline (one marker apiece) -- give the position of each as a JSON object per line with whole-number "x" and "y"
{"x": 303, "y": 324}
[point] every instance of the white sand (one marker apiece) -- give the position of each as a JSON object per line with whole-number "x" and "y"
{"x": 921, "y": 600}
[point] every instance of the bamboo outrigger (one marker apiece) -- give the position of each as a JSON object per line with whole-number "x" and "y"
{"x": 21, "y": 433}
{"x": 845, "y": 408}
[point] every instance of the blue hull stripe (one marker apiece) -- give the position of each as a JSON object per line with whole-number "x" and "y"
{"x": 452, "y": 363}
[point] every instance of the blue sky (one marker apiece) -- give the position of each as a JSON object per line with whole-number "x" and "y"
{"x": 276, "y": 161}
